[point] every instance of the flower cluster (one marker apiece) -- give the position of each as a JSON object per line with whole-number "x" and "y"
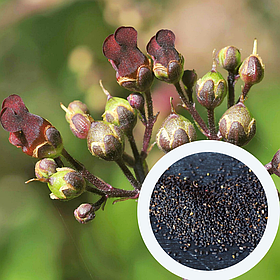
{"x": 105, "y": 138}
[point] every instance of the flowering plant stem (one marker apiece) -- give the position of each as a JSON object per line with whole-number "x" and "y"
{"x": 97, "y": 182}
{"x": 231, "y": 82}
{"x": 136, "y": 185}
{"x": 138, "y": 164}
{"x": 211, "y": 123}
{"x": 191, "y": 109}
{"x": 149, "y": 124}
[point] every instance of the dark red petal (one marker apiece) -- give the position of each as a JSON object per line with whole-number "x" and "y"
{"x": 153, "y": 47}
{"x": 14, "y": 102}
{"x": 111, "y": 49}
{"x": 17, "y": 139}
{"x": 32, "y": 126}
{"x": 9, "y": 120}
{"x": 126, "y": 36}
{"x": 131, "y": 60}
{"x": 165, "y": 38}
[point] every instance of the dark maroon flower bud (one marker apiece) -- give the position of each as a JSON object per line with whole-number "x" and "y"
{"x": 84, "y": 213}
{"x": 237, "y": 126}
{"x": 136, "y": 101}
{"x": 35, "y": 135}
{"x": 251, "y": 70}
{"x": 276, "y": 163}
{"x": 189, "y": 78}
{"x": 105, "y": 140}
{"x": 168, "y": 63}
{"x": 132, "y": 66}
{"x": 78, "y": 116}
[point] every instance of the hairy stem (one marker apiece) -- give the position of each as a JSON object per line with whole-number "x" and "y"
{"x": 149, "y": 124}
{"x": 136, "y": 185}
{"x": 211, "y": 123}
{"x": 244, "y": 93}
{"x": 191, "y": 109}
{"x": 97, "y": 182}
{"x": 231, "y": 94}
{"x": 138, "y": 165}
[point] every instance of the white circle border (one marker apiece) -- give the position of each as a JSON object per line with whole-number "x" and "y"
{"x": 198, "y": 147}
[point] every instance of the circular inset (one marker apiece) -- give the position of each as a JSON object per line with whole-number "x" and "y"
{"x": 208, "y": 210}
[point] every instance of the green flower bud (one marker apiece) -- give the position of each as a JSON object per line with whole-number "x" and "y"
{"x": 120, "y": 113}
{"x": 77, "y": 115}
{"x": 237, "y": 126}
{"x": 211, "y": 89}
{"x": 175, "y": 131}
{"x": 276, "y": 163}
{"x": 66, "y": 184}
{"x": 44, "y": 168}
{"x": 85, "y": 213}
{"x": 229, "y": 58}
{"x": 105, "y": 140}
{"x": 251, "y": 70}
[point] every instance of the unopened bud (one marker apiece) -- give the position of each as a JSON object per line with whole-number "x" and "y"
{"x": 120, "y": 113}
{"x": 211, "y": 89}
{"x": 276, "y": 163}
{"x": 105, "y": 140}
{"x": 251, "y": 70}
{"x": 189, "y": 78}
{"x": 77, "y": 115}
{"x": 237, "y": 126}
{"x": 136, "y": 101}
{"x": 66, "y": 184}
{"x": 84, "y": 213}
{"x": 175, "y": 131}
{"x": 44, "y": 168}
{"x": 229, "y": 58}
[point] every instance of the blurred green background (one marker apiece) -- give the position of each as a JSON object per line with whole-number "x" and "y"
{"x": 51, "y": 52}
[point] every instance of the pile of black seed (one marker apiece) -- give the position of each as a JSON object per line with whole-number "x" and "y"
{"x": 211, "y": 214}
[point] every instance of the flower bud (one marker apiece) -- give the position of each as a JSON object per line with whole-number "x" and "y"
{"x": 276, "y": 163}
{"x": 77, "y": 115}
{"x": 237, "y": 126}
{"x": 168, "y": 63}
{"x": 229, "y": 58}
{"x": 66, "y": 184}
{"x": 105, "y": 140}
{"x": 52, "y": 147}
{"x": 44, "y": 168}
{"x": 251, "y": 70}
{"x": 136, "y": 101}
{"x": 175, "y": 131}
{"x": 189, "y": 79}
{"x": 211, "y": 89}
{"x": 120, "y": 113}
{"x": 85, "y": 213}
